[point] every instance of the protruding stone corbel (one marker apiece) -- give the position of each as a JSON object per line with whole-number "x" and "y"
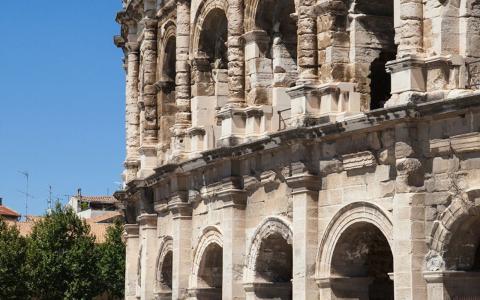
{"x": 179, "y": 206}
{"x": 147, "y": 221}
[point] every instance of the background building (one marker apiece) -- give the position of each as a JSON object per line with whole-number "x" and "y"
{"x": 8, "y": 214}
{"x": 88, "y": 207}
{"x": 302, "y": 149}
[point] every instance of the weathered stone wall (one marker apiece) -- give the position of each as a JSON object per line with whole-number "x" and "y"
{"x": 271, "y": 156}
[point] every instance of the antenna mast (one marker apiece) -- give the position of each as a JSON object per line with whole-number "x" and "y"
{"x": 27, "y": 175}
{"x": 49, "y": 197}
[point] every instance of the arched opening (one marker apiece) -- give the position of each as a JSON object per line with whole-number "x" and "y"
{"x": 462, "y": 258}
{"x": 462, "y": 252}
{"x": 274, "y": 268}
{"x": 211, "y": 60}
{"x": 372, "y": 34}
{"x": 361, "y": 263}
{"x": 164, "y": 277}
{"x": 274, "y": 63}
{"x": 209, "y": 285}
{"x": 166, "y": 92}
{"x": 380, "y": 80}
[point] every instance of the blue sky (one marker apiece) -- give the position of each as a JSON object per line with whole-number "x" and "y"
{"x": 61, "y": 100}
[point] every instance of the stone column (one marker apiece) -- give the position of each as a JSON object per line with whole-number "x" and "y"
{"x": 182, "y": 246}
{"x": 408, "y": 22}
{"x": 233, "y": 227}
{"x": 232, "y": 116}
{"x": 132, "y": 113}
{"x": 305, "y": 234}
{"x": 148, "y": 233}
{"x": 236, "y": 55}
{"x": 409, "y": 246}
{"x": 307, "y": 43}
{"x": 148, "y": 150}
{"x": 131, "y": 267}
{"x": 182, "y": 78}
{"x": 408, "y": 75}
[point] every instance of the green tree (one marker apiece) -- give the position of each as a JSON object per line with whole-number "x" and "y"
{"x": 111, "y": 264}
{"x": 13, "y": 276}
{"x": 62, "y": 258}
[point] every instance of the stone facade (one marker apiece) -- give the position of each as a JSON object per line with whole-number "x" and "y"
{"x": 302, "y": 149}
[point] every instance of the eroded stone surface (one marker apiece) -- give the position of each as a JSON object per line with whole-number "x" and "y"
{"x": 301, "y": 149}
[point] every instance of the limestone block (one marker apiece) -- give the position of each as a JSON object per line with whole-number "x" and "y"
{"x": 469, "y": 142}
{"x": 358, "y": 160}
{"x": 203, "y": 110}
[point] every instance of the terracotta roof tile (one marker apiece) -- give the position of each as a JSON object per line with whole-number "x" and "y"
{"x": 107, "y": 216}
{"x": 5, "y": 211}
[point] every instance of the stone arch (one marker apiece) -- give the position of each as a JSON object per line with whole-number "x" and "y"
{"x": 271, "y": 225}
{"x": 166, "y": 36}
{"x": 206, "y": 277}
{"x": 469, "y": 19}
{"x": 455, "y": 236}
{"x": 352, "y": 213}
{"x": 163, "y": 274}
{"x": 204, "y": 9}
{"x": 251, "y": 9}
{"x": 271, "y": 29}
{"x": 166, "y": 73}
{"x": 374, "y": 22}
{"x": 355, "y": 259}
{"x": 210, "y": 50}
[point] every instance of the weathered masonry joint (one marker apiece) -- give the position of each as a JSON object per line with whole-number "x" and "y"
{"x": 299, "y": 149}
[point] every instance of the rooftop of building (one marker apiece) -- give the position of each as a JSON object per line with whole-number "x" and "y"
{"x": 7, "y": 212}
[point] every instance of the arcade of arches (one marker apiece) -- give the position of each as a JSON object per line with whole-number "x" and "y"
{"x": 301, "y": 149}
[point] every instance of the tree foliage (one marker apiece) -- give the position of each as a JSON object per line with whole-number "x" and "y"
{"x": 13, "y": 275}
{"x": 60, "y": 260}
{"x": 111, "y": 264}
{"x": 61, "y": 257}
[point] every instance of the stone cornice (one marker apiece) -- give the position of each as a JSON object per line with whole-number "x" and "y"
{"x": 147, "y": 220}
{"x": 376, "y": 119}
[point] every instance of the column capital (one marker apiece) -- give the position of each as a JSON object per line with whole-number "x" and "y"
{"x": 150, "y": 23}
{"x": 131, "y": 231}
{"x": 304, "y": 182}
{"x": 147, "y": 221}
{"x": 180, "y": 209}
{"x": 132, "y": 47}
{"x": 232, "y": 197}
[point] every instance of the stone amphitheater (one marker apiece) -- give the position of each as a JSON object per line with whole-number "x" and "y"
{"x": 301, "y": 149}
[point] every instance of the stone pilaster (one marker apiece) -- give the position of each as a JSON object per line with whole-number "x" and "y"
{"x": 182, "y": 78}
{"x": 132, "y": 113}
{"x": 409, "y": 246}
{"x": 233, "y": 242}
{"x": 149, "y": 50}
{"x": 307, "y": 43}
{"x": 236, "y": 55}
{"x": 408, "y": 22}
{"x": 305, "y": 234}
{"x": 231, "y": 116}
{"x": 408, "y": 75}
{"x": 148, "y": 233}
{"x": 131, "y": 267}
{"x": 148, "y": 149}
{"x": 182, "y": 249}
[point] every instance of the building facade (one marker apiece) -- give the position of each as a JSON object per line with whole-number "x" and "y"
{"x": 300, "y": 149}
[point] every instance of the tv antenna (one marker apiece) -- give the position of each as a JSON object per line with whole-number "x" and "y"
{"x": 27, "y": 195}
{"x": 49, "y": 197}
